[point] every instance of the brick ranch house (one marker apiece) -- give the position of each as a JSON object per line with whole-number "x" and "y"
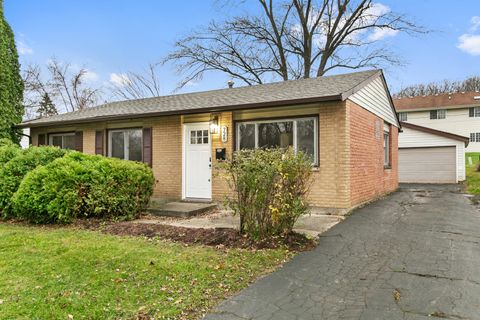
{"x": 347, "y": 123}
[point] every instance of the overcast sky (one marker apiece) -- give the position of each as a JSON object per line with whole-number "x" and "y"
{"x": 111, "y": 37}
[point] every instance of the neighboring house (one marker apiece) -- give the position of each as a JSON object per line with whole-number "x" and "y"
{"x": 457, "y": 113}
{"x": 346, "y": 123}
{"x": 427, "y": 155}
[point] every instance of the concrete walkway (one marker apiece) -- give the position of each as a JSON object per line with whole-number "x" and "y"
{"x": 311, "y": 224}
{"x": 413, "y": 255}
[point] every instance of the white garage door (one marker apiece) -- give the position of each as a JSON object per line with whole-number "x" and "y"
{"x": 427, "y": 165}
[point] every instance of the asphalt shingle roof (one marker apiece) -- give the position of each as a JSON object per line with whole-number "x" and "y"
{"x": 337, "y": 87}
{"x": 444, "y": 100}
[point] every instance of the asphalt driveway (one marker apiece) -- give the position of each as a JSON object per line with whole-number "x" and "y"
{"x": 412, "y": 255}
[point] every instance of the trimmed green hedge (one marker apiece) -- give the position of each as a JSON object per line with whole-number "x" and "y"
{"x": 8, "y": 150}
{"x": 13, "y": 171}
{"x": 81, "y": 185}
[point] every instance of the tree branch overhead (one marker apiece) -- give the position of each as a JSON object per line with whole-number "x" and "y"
{"x": 292, "y": 39}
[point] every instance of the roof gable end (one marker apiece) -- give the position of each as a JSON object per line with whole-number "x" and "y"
{"x": 374, "y": 96}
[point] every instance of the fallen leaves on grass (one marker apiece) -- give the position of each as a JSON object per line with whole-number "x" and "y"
{"x": 396, "y": 295}
{"x": 438, "y": 314}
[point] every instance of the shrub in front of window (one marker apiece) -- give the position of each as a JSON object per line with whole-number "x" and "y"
{"x": 81, "y": 185}
{"x": 269, "y": 188}
{"x": 13, "y": 172}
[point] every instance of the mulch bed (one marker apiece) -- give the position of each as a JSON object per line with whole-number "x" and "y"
{"x": 219, "y": 237}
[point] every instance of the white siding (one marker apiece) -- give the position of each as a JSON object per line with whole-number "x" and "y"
{"x": 374, "y": 97}
{"x": 457, "y": 121}
{"x": 25, "y": 142}
{"x": 411, "y": 138}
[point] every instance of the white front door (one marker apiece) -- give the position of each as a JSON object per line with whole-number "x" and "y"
{"x": 197, "y": 171}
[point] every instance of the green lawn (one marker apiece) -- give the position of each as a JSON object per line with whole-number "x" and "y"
{"x": 473, "y": 180}
{"x": 48, "y": 273}
{"x": 475, "y": 156}
{"x": 473, "y": 177}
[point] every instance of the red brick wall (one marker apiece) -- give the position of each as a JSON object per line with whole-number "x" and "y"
{"x": 368, "y": 177}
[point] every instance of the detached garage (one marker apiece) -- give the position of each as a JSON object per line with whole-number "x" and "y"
{"x": 426, "y": 155}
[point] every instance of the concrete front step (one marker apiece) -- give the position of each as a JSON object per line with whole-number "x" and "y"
{"x": 310, "y": 224}
{"x": 179, "y": 209}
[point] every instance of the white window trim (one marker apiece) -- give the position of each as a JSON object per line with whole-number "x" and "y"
{"x": 294, "y": 120}
{"x": 126, "y": 147}
{"x": 436, "y": 114}
{"x": 63, "y": 135}
{"x": 196, "y": 137}
{"x": 475, "y": 136}
{"x": 386, "y": 146}
{"x": 476, "y": 112}
{"x": 404, "y": 114}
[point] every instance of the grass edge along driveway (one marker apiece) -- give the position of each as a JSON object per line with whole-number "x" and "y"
{"x": 62, "y": 273}
{"x": 472, "y": 176}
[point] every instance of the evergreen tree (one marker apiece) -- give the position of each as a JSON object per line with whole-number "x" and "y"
{"x": 46, "y": 107}
{"x": 11, "y": 85}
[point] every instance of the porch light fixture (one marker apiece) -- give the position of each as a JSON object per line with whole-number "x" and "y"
{"x": 214, "y": 123}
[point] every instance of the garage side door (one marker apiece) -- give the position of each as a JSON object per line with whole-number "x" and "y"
{"x": 427, "y": 165}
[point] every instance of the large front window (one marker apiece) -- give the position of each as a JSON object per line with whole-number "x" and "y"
{"x": 62, "y": 140}
{"x": 301, "y": 134}
{"x": 125, "y": 144}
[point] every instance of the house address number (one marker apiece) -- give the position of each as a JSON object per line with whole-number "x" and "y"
{"x": 224, "y": 133}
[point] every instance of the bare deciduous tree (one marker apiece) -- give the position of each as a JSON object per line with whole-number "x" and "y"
{"x": 138, "y": 85}
{"x": 34, "y": 90}
{"x": 292, "y": 39}
{"x": 471, "y": 84}
{"x": 65, "y": 85}
{"x": 69, "y": 85}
